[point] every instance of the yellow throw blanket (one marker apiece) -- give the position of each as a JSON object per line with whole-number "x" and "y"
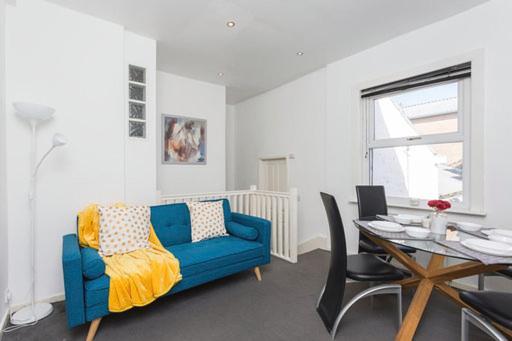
{"x": 136, "y": 278}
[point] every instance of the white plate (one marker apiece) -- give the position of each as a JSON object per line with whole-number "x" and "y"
{"x": 408, "y": 219}
{"x": 386, "y": 226}
{"x": 417, "y": 232}
{"x": 501, "y": 239}
{"x": 469, "y": 227}
{"x": 502, "y": 232}
{"x": 488, "y": 247}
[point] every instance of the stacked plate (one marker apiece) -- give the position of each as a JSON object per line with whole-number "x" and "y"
{"x": 469, "y": 227}
{"x": 408, "y": 219}
{"x": 499, "y": 235}
{"x": 488, "y": 247}
{"x": 417, "y": 232}
{"x": 386, "y": 226}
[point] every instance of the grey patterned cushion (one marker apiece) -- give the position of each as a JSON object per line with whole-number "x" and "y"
{"x": 206, "y": 220}
{"x": 123, "y": 229}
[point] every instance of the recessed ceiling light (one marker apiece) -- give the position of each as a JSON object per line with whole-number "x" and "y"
{"x": 300, "y": 53}
{"x": 220, "y": 74}
{"x": 231, "y": 24}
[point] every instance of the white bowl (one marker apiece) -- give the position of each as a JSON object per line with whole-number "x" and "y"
{"x": 469, "y": 227}
{"x": 408, "y": 219}
{"x": 417, "y": 232}
{"x": 500, "y": 238}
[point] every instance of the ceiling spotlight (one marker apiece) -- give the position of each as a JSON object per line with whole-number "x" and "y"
{"x": 231, "y": 24}
{"x": 220, "y": 74}
{"x": 300, "y": 53}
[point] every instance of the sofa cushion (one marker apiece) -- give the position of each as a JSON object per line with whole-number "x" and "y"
{"x": 242, "y": 231}
{"x": 96, "y": 291}
{"x": 172, "y": 222}
{"x": 123, "y": 229}
{"x": 92, "y": 263}
{"x": 206, "y": 220}
{"x": 214, "y": 253}
{"x": 195, "y": 259}
{"x": 227, "y": 209}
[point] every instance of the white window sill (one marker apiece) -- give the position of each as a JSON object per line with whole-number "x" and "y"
{"x": 456, "y": 210}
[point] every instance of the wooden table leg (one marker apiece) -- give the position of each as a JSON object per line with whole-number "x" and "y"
{"x": 434, "y": 276}
{"x": 409, "y": 282}
{"x": 415, "y": 312}
{"x": 419, "y": 302}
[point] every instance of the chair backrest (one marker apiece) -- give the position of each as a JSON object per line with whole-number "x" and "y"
{"x": 331, "y": 301}
{"x": 371, "y": 201}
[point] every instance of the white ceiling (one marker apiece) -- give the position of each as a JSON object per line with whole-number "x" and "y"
{"x": 260, "y": 52}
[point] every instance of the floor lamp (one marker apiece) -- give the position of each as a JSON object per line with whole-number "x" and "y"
{"x": 34, "y": 114}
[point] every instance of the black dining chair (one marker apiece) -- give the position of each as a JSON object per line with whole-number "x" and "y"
{"x": 360, "y": 267}
{"x": 507, "y": 273}
{"x": 371, "y": 202}
{"x": 491, "y": 306}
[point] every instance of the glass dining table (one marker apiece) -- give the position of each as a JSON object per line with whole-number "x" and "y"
{"x": 436, "y": 275}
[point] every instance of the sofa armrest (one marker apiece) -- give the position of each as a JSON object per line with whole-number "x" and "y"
{"x": 262, "y": 225}
{"x": 242, "y": 231}
{"x": 93, "y": 265}
{"x": 73, "y": 280}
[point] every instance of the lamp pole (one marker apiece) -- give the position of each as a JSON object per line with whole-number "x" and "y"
{"x": 34, "y": 114}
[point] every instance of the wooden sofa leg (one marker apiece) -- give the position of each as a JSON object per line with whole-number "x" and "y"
{"x": 257, "y": 273}
{"x": 93, "y": 328}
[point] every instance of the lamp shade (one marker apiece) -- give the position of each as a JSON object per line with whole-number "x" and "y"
{"x": 33, "y": 112}
{"x": 59, "y": 140}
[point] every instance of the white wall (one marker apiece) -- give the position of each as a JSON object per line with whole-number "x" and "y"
{"x": 187, "y": 97}
{"x": 141, "y": 153}
{"x": 75, "y": 63}
{"x": 230, "y": 147}
{"x": 3, "y": 168}
{"x": 287, "y": 120}
{"x": 486, "y": 27}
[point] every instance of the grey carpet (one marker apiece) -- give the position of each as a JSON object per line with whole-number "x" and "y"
{"x": 281, "y": 307}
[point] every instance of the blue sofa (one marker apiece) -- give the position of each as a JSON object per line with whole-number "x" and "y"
{"x": 246, "y": 247}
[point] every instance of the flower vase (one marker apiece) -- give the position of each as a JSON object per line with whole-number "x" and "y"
{"x": 438, "y": 223}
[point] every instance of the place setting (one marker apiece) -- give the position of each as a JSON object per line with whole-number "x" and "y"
{"x": 491, "y": 246}
{"x": 401, "y": 226}
{"x": 479, "y": 250}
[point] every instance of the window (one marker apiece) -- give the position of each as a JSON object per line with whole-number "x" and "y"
{"x": 417, "y": 136}
{"x": 136, "y": 101}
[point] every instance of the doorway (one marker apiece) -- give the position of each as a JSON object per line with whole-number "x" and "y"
{"x": 273, "y": 174}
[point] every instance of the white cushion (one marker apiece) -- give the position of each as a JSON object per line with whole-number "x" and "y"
{"x": 123, "y": 229}
{"x": 206, "y": 220}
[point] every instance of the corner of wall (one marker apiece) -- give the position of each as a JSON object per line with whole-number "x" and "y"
{"x": 177, "y": 95}
{"x": 3, "y": 171}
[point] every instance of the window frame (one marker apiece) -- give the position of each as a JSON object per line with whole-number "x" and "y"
{"x": 143, "y": 86}
{"x": 462, "y": 135}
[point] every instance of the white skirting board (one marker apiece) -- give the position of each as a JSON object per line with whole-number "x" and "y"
{"x": 51, "y": 299}
{"x": 318, "y": 242}
{"x": 3, "y": 323}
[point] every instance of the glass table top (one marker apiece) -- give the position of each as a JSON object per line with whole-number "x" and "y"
{"x": 423, "y": 245}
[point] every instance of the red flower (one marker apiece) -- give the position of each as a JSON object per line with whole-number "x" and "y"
{"x": 439, "y": 205}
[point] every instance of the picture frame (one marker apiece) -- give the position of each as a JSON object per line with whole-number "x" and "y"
{"x": 184, "y": 140}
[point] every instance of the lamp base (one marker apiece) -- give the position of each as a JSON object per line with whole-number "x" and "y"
{"x": 26, "y": 315}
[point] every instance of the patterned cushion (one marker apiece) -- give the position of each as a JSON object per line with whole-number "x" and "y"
{"x": 207, "y": 220}
{"x": 123, "y": 229}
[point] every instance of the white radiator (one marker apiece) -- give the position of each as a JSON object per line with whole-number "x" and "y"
{"x": 278, "y": 207}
